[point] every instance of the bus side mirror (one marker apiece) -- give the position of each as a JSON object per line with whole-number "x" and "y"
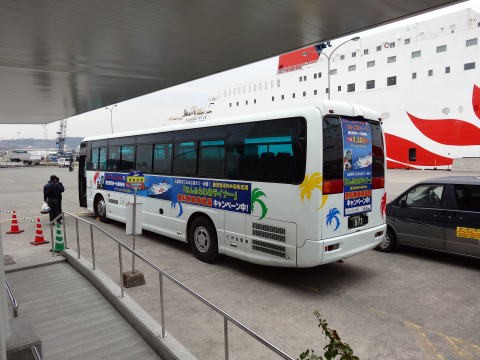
{"x": 403, "y": 203}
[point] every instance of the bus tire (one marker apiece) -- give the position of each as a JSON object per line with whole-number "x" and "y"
{"x": 389, "y": 243}
{"x": 202, "y": 237}
{"x": 100, "y": 208}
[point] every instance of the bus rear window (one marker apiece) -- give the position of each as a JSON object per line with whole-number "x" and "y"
{"x": 334, "y": 155}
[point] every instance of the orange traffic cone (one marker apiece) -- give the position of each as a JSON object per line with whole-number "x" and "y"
{"x": 39, "y": 239}
{"x": 14, "y": 229}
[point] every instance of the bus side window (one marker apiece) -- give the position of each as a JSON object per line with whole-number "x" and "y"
{"x": 185, "y": 159}
{"x": 162, "y": 159}
{"x": 144, "y": 158}
{"x": 102, "y": 159}
{"x": 113, "y": 161}
{"x": 211, "y": 159}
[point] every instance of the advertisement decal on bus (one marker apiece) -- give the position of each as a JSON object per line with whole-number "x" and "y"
{"x": 357, "y": 167}
{"x": 223, "y": 195}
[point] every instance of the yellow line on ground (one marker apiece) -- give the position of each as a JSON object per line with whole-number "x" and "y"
{"x": 462, "y": 348}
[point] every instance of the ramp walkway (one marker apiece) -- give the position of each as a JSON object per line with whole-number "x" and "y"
{"x": 73, "y": 320}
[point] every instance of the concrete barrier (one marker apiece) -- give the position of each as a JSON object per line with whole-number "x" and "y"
{"x": 466, "y": 164}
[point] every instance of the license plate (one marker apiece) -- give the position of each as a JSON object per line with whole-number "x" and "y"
{"x": 356, "y": 221}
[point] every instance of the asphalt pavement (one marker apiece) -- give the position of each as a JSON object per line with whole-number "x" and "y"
{"x": 411, "y": 304}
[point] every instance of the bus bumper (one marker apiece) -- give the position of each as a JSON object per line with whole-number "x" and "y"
{"x": 314, "y": 252}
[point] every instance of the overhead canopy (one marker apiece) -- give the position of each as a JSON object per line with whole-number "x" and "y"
{"x": 62, "y": 58}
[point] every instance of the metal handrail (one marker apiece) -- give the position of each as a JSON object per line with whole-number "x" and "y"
{"x": 35, "y": 353}
{"x": 13, "y": 301}
{"x": 227, "y": 318}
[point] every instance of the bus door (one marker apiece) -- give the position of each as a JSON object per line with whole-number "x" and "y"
{"x": 82, "y": 178}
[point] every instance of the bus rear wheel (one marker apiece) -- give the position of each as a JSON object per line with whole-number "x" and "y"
{"x": 100, "y": 207}
{"x": 202, "y": 237}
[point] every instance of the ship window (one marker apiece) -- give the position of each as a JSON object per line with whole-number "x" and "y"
{"x": 283, "y": 97}
{"x": 225, "y": 93}
{"x": 391, "y": 59}
{"x": 229, "y": 92}
{"x": 230, "y": 104}
{"x": 304, "y": 93}
{"x": 391, "y": 80}
{"x": 246, "y": 102}
{"x": 416, "y": 54}
{"x": 354, "y": 54}
{"x": 469, "y": 66}
{"x": 351, "y": 87}
{"x": 278, "y": 83}
{"x": 447, "y": 70}
{"x": 414, "y": 75}
{"x": 234, "y": 91}
{"x": 293, "y": 95}
{"x": 260, "y": 87}
{"x": 273, "y": 98}
{"x": 272, "y": 83}
{"x": 352, "y": 68}
{"x": 370, "y": 63}
{"x": 392, "y": 44}
{"x": 339, "y": 88}
{"x": 237, "y": 103}
{"x": 342, "y": 57}
{"x": 315, "y": 76}
{"x": 315, "y": 92}
{"x": 365, "y": 51}
{"x": 266, "y": 85}
{"x": 254, "y": 101}
{"x": 326, "y": 90}
{"x": 300, "y": 79}
{"x": 305, "y": 78}
{"x": 441, "y": 48}
{"x": 430, "y": 72}
{"x": 333, "y": 72}
{"x": 379, "y": 48}
{"x": 254, "y": 87}
{"x": 319, "y": 75}
{"x": 471, "y": 42}
{"x": 406, "y": 41}
{"x": 370, "y": 84}
{"x": 412, "y": 154}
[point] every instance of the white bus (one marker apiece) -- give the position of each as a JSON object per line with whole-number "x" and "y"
{"x": 299, "y": 187}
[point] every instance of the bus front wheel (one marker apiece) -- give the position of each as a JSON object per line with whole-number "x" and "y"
{"x": 100, "y": 208}
{"x": 203, "y": 239}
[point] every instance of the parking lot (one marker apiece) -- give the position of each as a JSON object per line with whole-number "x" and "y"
{"x": 410, "y": 304}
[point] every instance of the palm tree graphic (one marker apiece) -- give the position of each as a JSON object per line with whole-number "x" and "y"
{"x": 310, "y": 183}
{"x": 333, "y": 214}
{"x": 383, "y": 205}
{"x": 256, "y": 195}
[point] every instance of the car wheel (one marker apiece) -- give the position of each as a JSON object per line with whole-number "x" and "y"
{"x": 388, "y": 243}
{"x": 100, "y": 208}
{"x": 202, "y": 237}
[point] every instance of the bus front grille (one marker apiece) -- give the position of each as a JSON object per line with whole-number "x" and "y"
{"x": 268, "y": 248}
{"x": 268, "y": 232}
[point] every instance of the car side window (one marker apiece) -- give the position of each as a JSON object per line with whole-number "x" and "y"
{"x": 427, "y": 195}
{"x": 467, "y": 197}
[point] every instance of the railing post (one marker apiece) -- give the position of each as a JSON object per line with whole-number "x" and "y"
{"x": 93, "y": 246}
{"x": 64, "y": 230}
{"x": 78, "y": 238}
{"x": 225, "y": 334}
{"x": 51, "y": 238}
{"x": 162, "y": 311}
{"x": 121, "y": 269}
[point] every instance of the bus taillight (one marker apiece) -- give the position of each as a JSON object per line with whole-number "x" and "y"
{"x": 378, "y": 182}
{"x": 332, "y": 186}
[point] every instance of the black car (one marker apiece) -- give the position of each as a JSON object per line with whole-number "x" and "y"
{"x": 441, "y": 214}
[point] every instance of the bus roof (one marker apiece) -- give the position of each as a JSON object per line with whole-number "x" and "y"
{"x": 333, "y": 107}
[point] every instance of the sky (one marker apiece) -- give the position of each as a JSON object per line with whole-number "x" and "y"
{"x": 154, "y": 109}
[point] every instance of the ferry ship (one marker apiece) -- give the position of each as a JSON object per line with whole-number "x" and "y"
{"x": 424, "y": 78}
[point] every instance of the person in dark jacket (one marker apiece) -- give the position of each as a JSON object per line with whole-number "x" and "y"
{"x": 52, "y": 194}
